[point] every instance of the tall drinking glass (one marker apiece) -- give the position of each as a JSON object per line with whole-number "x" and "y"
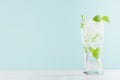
{"x": 92, "y": 38}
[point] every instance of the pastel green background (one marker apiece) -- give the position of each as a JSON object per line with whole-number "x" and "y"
{"x": 45, "y": 34}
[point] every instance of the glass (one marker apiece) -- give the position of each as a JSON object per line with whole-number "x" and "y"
{"x": 92, "y": 38}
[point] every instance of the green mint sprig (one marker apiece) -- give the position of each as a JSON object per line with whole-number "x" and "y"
{"x": 99, "y": 18}
{"x": 95, "y": 52}
{"x": 82, "y": 24}
{"x": 105, "y": 19}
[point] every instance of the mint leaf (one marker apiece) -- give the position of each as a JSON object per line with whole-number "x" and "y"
{"x": 96, "y": 53}
{"x": 82, "y": 17}
{"x": 91, "y": 49}
{"x": 82, "y": 25}
{"x": 105, "y": 19}
{"x": 97, "y": 18}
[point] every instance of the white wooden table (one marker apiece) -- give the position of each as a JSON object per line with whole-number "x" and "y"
{"x": 56, "y": 75}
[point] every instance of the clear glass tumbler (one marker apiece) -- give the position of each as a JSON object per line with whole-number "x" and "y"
{"x": 92, "y": 38}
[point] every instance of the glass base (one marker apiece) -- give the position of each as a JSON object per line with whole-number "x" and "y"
{"x": 93, "y": 73}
